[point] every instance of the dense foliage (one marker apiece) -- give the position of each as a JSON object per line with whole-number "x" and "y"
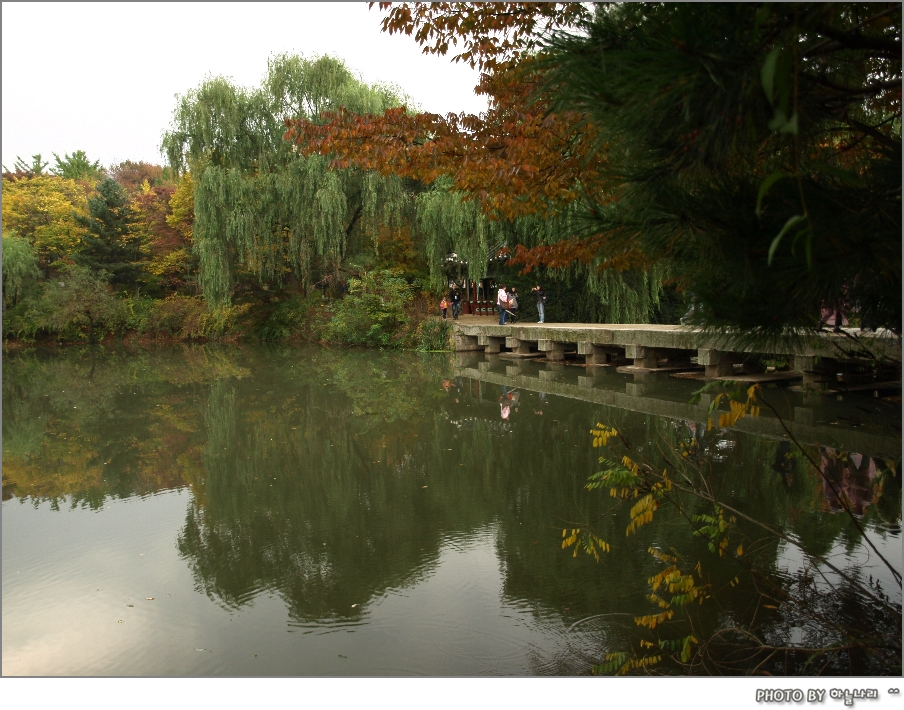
{"x": 635, "y": 158}
{"x": 749, "y": 154}
{"x": 228, "y": 240}
{"x": 262, "y": 212}
{"x": 756, "y": 147}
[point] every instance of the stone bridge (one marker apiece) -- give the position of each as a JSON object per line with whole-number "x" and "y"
{"x": 663, "y": 348}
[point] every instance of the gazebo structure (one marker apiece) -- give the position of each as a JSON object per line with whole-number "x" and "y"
{"x": 478, "y": 297}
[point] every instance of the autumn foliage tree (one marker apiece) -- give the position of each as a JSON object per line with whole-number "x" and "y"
{"x": 164, "y": 224}
{"x": 523, "y": 166}
{"x": 727, "y": 142}
{"x": 44, "y": 210}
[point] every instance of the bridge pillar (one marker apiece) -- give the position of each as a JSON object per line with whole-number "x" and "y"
{"x": 518, "y": 346}
{"x": 716, "y": 362}
{"x": 597, "y": 354}
{"x": 807, "y": 365}
{"x": 804, "y": 363}
{"x": 642, "y": 356}
{"x": 463, "y": 342}
{"x": 491, "y": 344}
{"x": 555, "y": 351}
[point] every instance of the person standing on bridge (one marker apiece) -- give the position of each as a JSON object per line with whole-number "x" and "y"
{"x": 541, "y": 302}
{"x": 502, "y": 303}
{"x": 512, "y": 309}
{"x": 454, "y": 298}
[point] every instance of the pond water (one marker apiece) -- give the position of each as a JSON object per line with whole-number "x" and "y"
{"x": 243, "y": 511}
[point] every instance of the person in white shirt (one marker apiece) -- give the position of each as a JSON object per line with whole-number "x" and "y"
{"x": 502, "y": 303}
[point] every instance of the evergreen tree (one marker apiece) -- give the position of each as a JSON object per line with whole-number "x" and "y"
{"x": 20, "y": 167}
{"x": 110, "y": 243}
{"x": 758, "y": 148}
{"x": 77, "y": 167}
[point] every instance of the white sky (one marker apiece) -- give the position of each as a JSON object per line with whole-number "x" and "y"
{"x": 101, "y": 77}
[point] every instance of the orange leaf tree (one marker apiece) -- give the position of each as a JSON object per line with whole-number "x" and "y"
{"x": 507, "y": 181}
{"x": 754, "y": 149}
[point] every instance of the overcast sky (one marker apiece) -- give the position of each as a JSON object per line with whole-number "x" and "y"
{"x": 101, "y": 77}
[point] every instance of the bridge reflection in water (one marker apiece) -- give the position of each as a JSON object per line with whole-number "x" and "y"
{"x": 812, "y": 419}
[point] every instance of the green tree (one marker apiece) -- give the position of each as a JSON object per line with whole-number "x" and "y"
{"x": 109, "y": 242}
{"x": 374, "y": 311}
{"x": 758, "y": 148}
{"x": 20, "y": 267}
{"x": 258, "y": 205}
{"x": 36, "y": 168}
{"x": 77, "y": 167}
{"x": 82, "y": 300}
{"x": 44, "y": 210}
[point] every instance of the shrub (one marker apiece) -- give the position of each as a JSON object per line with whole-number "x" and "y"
{"x": 188, "y": 317}
{"x": 80, "y": 304}
{"x": 284, "y": 319}
{"x": 20, "y": 267}
{"x": 138, "y": 311}
{"x": 433, "y": 335}
{"x": 374, "y": 312}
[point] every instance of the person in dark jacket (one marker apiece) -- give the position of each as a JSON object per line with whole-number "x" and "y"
{"x": 455, "y": 299}
{"x": 513, "y": 304}
{"x": 541, "y": 301}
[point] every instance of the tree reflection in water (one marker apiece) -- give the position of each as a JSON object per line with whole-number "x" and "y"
{"x": 330, "y": 478}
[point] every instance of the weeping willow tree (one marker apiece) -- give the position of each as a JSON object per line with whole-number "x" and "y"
{"x": 260, "y": 208}
{"x": 20, "y": 267}
{"x": 449, "y": 223}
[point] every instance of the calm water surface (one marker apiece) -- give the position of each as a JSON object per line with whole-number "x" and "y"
{"x": 275, "y": 511}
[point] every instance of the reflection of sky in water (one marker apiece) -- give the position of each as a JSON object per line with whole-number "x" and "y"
{"x": 75, "y": 601}
{"x": 377, "y": 525}
{"x": 790, "y": 560}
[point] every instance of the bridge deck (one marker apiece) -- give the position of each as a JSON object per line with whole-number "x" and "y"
{"x": 651, "y": 347}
